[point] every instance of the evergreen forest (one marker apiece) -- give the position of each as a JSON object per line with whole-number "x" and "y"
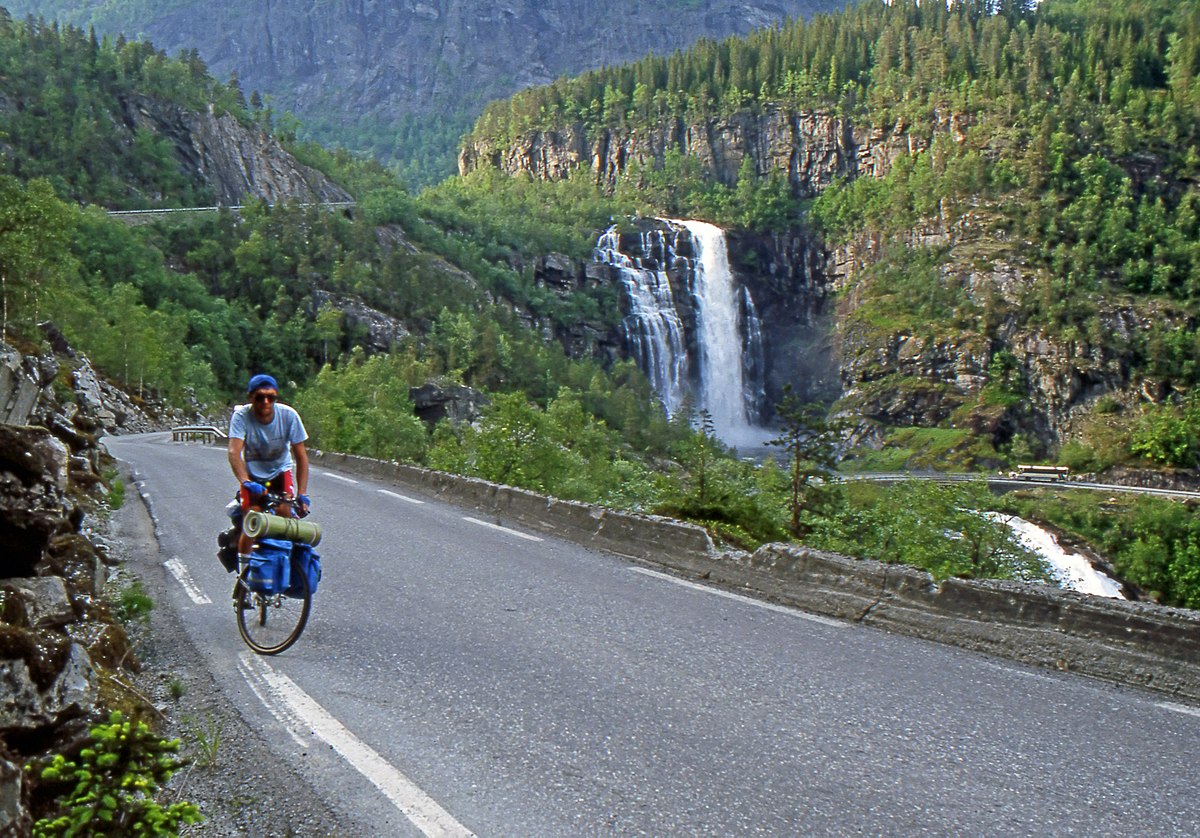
{"x": 1082, "y": 145}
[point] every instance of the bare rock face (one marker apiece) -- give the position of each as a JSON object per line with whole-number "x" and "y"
{"x": 433, "y": 402}
{"x": 383, "y": 332}
{"x": 239, "y": 163}
{"x": 40, "y": 690}
{"x": 813, "y": 148}
{"x": 57, "y": 636}
{"x": 33, "y": 503}
{"x": 430, "y": 59}
{"x": 19, "y": 389}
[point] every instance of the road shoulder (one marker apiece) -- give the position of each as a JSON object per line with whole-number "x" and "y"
{"x": 241, "y": 787}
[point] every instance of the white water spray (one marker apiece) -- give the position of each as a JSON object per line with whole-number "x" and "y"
{"x": 720, "y": 326}
{"x": 728, "y": 366}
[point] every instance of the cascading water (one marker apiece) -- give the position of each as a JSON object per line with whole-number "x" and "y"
{"x": 722, "y": 377}
{"x": 728, "y": 373}
{"x": 652, "y": 327}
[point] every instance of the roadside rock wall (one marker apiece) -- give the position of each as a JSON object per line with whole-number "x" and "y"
{"x": 59, "y": 643}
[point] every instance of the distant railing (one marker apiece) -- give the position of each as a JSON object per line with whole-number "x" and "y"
{"x": 133, "y": 215}
{"x": 203, "y": 433}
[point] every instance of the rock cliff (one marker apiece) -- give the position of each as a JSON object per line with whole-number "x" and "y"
{"x": 811, "y": 147}
{"x": 236, "y": 162}
{"x": 62, "y": 653}
{"x": 883, "y": 378}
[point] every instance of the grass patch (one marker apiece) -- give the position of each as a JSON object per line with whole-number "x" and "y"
{"x": 134, "y": 604}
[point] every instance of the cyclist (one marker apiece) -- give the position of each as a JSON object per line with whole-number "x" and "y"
{"x": 266, "y": 442}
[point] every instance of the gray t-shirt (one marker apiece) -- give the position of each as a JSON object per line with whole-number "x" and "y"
{"x": 268, "y": 448}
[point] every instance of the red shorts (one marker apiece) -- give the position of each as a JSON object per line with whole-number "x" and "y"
{"x": 281, "y": 482}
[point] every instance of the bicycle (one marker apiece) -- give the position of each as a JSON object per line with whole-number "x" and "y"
{"x": 272, "y": 594}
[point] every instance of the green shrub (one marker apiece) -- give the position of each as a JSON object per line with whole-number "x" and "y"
{"x": 115, "y": 780}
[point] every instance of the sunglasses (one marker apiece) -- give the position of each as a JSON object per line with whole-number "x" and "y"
{"x": 265, "y": 397}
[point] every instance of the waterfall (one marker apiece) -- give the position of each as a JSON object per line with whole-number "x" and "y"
{"x": 719, "y": 337}
{"x": 726, "y": 377}
{"x": 652, "y": 327}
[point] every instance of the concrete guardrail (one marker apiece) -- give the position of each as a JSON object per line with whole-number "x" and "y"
{"x": 1139, "y": 644}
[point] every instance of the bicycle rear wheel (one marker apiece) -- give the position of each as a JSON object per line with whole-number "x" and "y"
{"x": 270, "y": 623}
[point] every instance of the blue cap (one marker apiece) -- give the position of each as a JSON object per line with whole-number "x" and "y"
{"x": 259, "y": 381}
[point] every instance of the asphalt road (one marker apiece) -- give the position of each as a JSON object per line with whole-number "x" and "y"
{"x": 460, "y": 677}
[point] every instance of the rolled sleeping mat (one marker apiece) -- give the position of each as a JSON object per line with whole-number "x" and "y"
{"x": 265, "y": 525}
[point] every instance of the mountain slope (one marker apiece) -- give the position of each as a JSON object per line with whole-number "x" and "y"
{"x": 405, "y": 79}
{"x": 1007, "y": 199}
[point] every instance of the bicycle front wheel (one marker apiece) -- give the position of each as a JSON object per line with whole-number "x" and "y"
{"x": 270, "y": 623}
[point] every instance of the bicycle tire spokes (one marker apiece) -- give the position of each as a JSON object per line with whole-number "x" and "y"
{"x": 270, "y": 623}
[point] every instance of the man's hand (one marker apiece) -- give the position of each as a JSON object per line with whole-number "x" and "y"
{"x": 255, "y": 489}
{"x": 305, "y": 502}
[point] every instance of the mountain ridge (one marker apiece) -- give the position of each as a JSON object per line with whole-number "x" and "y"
{"x": 395, "y": 76}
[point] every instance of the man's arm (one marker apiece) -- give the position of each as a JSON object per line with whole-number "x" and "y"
{"x": 300, "y": 455}
{"x": 237, "y": 462}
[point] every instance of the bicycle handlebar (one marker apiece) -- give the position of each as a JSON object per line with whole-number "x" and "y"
{"x": 271, "y": 500}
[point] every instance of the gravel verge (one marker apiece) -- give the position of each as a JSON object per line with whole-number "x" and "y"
{"x": 241, "y": 787}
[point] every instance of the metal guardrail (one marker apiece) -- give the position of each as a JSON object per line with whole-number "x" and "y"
{"x": 231, "y": 208}
{"x": 203, "y": 433}
{"x": 1004, "y": 482}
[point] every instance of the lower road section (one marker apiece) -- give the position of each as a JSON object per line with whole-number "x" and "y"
{"x": 460, "y": 676}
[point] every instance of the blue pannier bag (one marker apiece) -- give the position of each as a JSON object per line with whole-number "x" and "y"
{"x": 305, "y": 564}
{"x": 269, "y": 571}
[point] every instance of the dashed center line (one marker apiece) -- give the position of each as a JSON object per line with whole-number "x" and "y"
{"x": 338, "y": 477}
{"x": 180, "y": 572}
{"x": 398, "y": 496}
{"x": 301, "y": 714}
{"x": 770, "y": 606}
{"x": 518, "y": 534}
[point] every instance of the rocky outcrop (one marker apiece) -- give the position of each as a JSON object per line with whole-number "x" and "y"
{"x": 434, "y": 401}
{"x": 237, "y": 162}
{"x": 59, "y": 644}
{"x": 376, "y": 331}
{"x": 813, "y": 148}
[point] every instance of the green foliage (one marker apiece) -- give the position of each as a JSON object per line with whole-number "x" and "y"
{"x": 736, "y": 502}
{"x": 34, "y": 226}
{"x": 938, "y": 527}
{"x": 116, "y": 489}
{"x": 1169, "y": 435}
{"x": 66, "y": 91}
{"x": 810, "y": 443}
{"x": 364, "y": 407}
{"x": 113, "y": 783}
{"x": 134, "y": 604}
{"x": 561, "y": 450}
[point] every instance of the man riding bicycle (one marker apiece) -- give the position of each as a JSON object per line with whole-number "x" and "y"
{"x": 266, "y": 441}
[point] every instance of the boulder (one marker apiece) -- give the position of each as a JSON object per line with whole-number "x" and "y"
{"x": 33, "y": 503}
{"x": 434, "y": 402}
{"x": 45, "y": 679}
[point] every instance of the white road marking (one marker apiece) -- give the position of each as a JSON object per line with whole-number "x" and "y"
{"x": 180, "y": 572}
{"x": 337, "y": 477}
{"x": 398, "y": 496}
{"x": 297, "y": 711}
{"x": 1179, "y": 708}
{"x": 524, "y": 535}
{"x": 770, "y": 606}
